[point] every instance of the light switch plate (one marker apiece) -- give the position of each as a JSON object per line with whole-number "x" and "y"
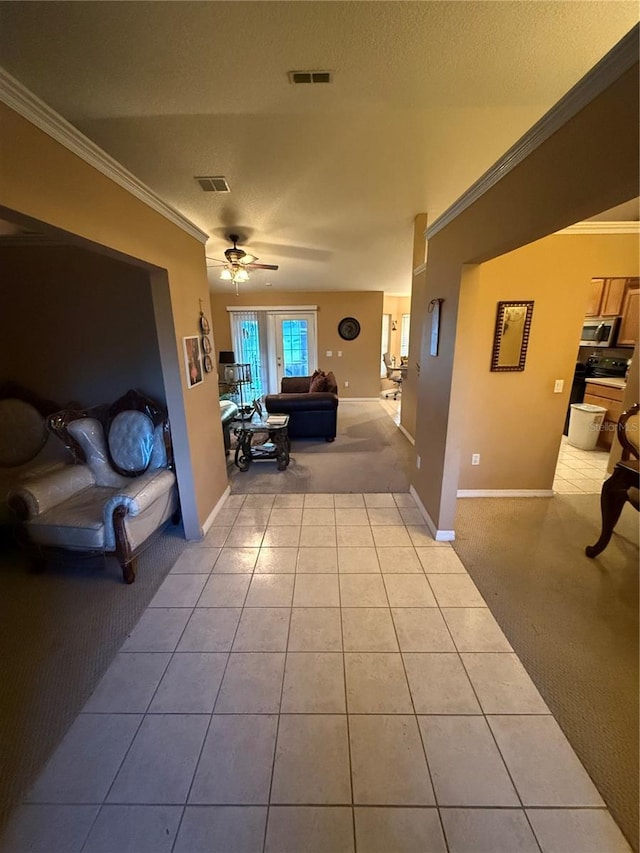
{"x": 558, "y": 387}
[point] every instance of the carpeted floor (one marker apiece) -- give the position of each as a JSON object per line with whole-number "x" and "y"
{"x": 572, "y": 621}
{"x": 59, "y": 631}
{"x": 370, "y": 454}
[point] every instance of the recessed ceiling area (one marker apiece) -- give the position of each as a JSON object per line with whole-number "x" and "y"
{"x": 325, "y": 179}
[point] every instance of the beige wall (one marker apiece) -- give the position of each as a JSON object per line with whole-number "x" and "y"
{"x": 360, "y": 361}
{"x": 583, "y": 168}
{"x": 514, "y": 420}
{"x": 43, "y": 181}
{"x": 408, "y": 411}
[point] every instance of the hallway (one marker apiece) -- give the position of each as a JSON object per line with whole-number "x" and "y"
{"x": 316, "y": 675}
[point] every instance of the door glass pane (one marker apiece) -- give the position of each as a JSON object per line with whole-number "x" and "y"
{"x": 295, "y": 351}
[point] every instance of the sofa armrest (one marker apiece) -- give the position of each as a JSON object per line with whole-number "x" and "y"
{"x": 34, "y": 497}
{"x": 135, "y": 498}
{"x": 141, "y": 492}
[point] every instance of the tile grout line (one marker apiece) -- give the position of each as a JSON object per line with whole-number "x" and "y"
{"x": 417, "y": 722}
{"x": 346, "y": 709}
{"x": 275, "y": 742}
{"x": 211, "y": 715}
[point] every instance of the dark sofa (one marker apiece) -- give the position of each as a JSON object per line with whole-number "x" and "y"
{"x": 312, "y": 414}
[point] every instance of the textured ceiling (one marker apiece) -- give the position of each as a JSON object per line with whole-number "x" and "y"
{"x": 325, "y": 180}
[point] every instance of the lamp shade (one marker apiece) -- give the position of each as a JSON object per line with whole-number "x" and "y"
{"x": 227, "y": 357}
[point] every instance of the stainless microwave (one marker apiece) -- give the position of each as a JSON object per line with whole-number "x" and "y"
{"x": 599, "y": 331}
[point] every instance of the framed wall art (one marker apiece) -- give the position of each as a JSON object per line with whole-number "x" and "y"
{"x": 193, "y": 360}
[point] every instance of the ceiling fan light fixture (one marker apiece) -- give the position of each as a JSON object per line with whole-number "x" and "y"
{"x": 225, "y": 274}
{"x": 241, "y": 275}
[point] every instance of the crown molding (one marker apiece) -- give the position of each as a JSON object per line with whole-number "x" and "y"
{"x": 620, "y": 59}
{"x": 29, "y": 106}
{"x": 602, "y": 228}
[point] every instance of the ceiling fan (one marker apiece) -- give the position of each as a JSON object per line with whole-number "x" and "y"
{"x": 238, "y": 262}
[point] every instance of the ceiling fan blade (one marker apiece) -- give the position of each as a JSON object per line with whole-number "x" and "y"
{"x": 215, "y": 261}
{"x": 264, "y": 266}
{"x": 248, "y": 259}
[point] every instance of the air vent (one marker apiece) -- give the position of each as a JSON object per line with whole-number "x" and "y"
{"x": 310, "y": 77}
{"x": 214, "y": 184}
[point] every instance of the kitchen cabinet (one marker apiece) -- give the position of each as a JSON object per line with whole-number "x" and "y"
{"x": 595, "y": 298}
{"x": 613, "y": 296}
{"x": 628, "y": 331}
{"x": 606, "y": 297}
{"x": 609, "y": 398}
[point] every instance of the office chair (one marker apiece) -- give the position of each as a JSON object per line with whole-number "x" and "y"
{"x": 394, "y": 375}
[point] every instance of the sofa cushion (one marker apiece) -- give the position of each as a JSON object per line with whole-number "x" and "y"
{"x": 318, "y": 382}
{"x": 76, "y": 523}
{"x": 295, "y": 384}
{"x": 131, "y": 437}
{"x": 22, "y": 430}
{"x": 332, "y": 384}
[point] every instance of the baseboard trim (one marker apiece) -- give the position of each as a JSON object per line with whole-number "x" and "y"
{"x": 212, "y": 515}
{"x": 505, "y": 493}
{"x": 407, "y": 435}
{"x": 438, "y": 535}
{"x": 359, "y": 399}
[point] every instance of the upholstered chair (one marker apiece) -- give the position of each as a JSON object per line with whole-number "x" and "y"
{"x": 27, "y": 448}
{"x": 119, "y": 495}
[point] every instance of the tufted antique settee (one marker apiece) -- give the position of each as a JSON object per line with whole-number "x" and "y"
{"x": 27, "y": 448}
{"x": 120, "y": 493}
{"x": 311, "y": 403}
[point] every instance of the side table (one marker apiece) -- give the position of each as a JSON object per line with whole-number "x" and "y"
{"x": 264, "y": 439}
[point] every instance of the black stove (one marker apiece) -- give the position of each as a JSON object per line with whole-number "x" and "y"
{"x": 600, "y": 366}
{"x": 596, "y": 366}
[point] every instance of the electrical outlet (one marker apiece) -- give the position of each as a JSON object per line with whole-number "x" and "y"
{"x": 346, "y": 384}
{"x": 558, "y": 386}
{"x": 329, "y": 353}
{"x": 418, "y": 461}
{"x": 475, "y": 458}
{"x": 339, "y": 353}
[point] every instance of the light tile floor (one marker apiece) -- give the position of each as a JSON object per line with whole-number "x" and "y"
{"x": 580, "y": 471}
{"x": 296, "y": 685}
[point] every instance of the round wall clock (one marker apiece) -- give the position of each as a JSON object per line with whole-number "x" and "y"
{"x": 349, "y": 328}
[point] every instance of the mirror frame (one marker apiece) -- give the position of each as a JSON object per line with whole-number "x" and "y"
{"x": 497, "y": 336}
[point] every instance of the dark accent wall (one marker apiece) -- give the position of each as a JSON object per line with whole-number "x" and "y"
{"x": 76, "y": 325}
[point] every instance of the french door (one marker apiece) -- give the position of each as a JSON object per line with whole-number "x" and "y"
{"x": 292, "y": 345}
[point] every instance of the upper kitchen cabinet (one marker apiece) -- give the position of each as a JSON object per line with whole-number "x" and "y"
{"x": 628, "y": 331}
{"x": 613, "y": 297}
{"x": 595, "y": 297}
{"x": 606, "y": 297}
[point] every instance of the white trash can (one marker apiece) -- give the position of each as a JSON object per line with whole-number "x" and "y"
{"x": 585, "y": 422}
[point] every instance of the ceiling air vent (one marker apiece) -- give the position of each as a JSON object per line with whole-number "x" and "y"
{"x": 213, "y": 184}
{"x": 310, "y": 77}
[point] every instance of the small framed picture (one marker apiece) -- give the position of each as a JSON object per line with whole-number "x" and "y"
{"x": 193, "y": 360}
